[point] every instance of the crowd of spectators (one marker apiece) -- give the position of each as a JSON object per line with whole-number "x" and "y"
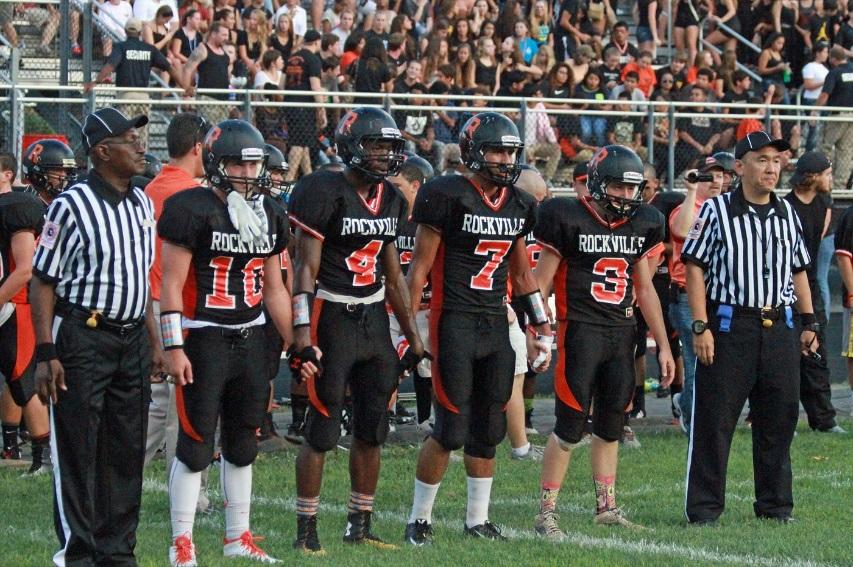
{"x": 592, "y": 50}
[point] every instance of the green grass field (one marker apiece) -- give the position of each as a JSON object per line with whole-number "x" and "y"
{"x": 650, "y": 487}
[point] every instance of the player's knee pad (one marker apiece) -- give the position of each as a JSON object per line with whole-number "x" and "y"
{"x": 491, "y": 430}
{"x": 564, "y": 444}
{"x": 450, "y": 430}
{"x": 476, "y": 448}
{"x": 322, "y": 432}
{"x": 240, "y": 449}
{"x": 196, "y": 456}
{"x": 371, "y": 427}
{"x": 608, "y": 425}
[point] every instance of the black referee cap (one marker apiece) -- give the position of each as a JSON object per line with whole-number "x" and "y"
{"x": 108, "y": 123}
{"x": 754, "y": 141}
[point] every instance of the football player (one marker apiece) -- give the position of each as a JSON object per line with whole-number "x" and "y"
{"x": 605, "y": 239}
{"x": 48, "y": 166}
{"x": 470, "y": 240}
{"x": 347, "y": 267}
{"x": 414, "y": 172}
{"x": 221, "y": 248}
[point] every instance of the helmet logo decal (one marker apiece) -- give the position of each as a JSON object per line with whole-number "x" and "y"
{"x": 35, "y": 154}
{"x": 347, "y": 122}
{"x": 599, "y": 157}
{"x": 215, "y": 132}
{"x": 472, "y": 126}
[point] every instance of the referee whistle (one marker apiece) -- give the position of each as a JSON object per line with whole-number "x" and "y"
{"x": 92, "y": 321}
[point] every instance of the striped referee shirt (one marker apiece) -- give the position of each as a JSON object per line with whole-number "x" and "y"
{"x": 748, "y": 259}
{"x": 97, "y": 246}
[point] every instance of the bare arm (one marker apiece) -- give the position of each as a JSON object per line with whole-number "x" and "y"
{"x": 105, "y": 72}
{"x": 427, "y": 241}
{"x": 277, "y": 299}
{"x": 198, "y": 55}
{"x": 306, "y": 266}
{"x": 545, "y": 270}
{"x": 397, "y": 294}
{"x": 23, "y": 248}
{"x": 317, "y": 87}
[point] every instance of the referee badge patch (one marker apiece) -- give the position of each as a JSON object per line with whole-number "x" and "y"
{"x": 696, "y": 229}
{"x": 49, "y": 234}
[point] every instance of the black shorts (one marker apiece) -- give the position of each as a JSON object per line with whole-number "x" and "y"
{"x": 685, "y": 17}
{"x": 472, "y": 377}
{"x": 17, "y": 348}
{"x": 593, "y": 361}
{"x": 229, "y": 379}
{"x": 357, "y": 352}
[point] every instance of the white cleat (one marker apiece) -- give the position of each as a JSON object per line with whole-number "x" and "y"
{"x": 182, "y": 552}
{"x": 244, "y": 546}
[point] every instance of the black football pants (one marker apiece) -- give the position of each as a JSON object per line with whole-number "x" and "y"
{"x": 98, "y": 430}
{"x": 762, "y": 365}
{"x": 815, "y": 392}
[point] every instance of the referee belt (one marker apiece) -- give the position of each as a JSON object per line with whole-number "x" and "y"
{"x": 767, "y": 315}
{"x": 94, "y": 320}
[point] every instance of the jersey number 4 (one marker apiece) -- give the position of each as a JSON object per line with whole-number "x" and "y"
{"x": 495, "y": 250}
{"x": 615, "y": 272}
{"x": 362, "y": 263}
{"x": 221, "y": 298}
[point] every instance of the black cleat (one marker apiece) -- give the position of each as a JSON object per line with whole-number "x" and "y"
{"x": 419, "y": 533}
{"x": 306, "y": 536}
{"x": 358, "y": 531}
{"x": 486, "y": 530}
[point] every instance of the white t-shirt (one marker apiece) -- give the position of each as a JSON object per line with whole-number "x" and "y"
{"x": 262, "y": 78}
{"x": 299, "y": 17}
{"x": 114, "y": 16}
{"x": 816, "y": 72}
{"x": 146, "y": 10}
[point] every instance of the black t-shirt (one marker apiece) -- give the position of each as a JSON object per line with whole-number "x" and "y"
{"x": 413, "y": 122}
{"x": 812, "y": 218}
{"x": 18, "y": 212}
{"x": 213, "y": 72}
{"x": 132, "y": 61}
{"x": 484, "y": 75}
{"x": 845, "y": 36}
{"x": 369, "y": 77}
{"x": 478, "y": 234}
{"x": 844, "y": 245}
{"x": 679, "y": 79}
{"x": 839, "y": 86}
{"x": 643, "y": 6}
{"x": 624, "y": 128}
{"x": 609, "y": 75}
{"x": 701, "y": 128}
{"x": 600, "y": 256}
{"x": 570, "y": 6}
{"x": 225, "y": 284}
{"x": 665, "y": 202}
{"x": 353, "y": 230}
{"x": 300, "y": 67}
{"x": 283, "y": 48}
{"x": 406, "y": 248}
{"x": 187, "y": 44}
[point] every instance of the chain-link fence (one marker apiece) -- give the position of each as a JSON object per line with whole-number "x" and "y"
{"x": 558, "y": 134}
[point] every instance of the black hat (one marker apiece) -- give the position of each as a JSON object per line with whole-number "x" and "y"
{"x": 108, "y": 123}
{"x": 810, "y": 163}
{"x": 312, "y": 35}
{"x": 709, "y": 164}
{"x": 754, "y": 141}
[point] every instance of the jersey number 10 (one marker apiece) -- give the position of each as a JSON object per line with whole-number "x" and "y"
{"x": 253, "y": 273}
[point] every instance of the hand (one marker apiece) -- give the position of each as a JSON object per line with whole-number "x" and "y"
{"x": 808, "y": 341}
{"x": 179, "y": 367}
{"x": 50, "y": 376}
{"x": 707, "y": 149}
{"x": 703, "y": 346}
{"x": 158, "y": 360}
{"x": 687, "y": 184}
{"x": 539, "y": 351}
{"x": 321, "y": 119}
{"x": 584, "y": 37}
{"x": 667, "y": 366}
{"x": 305, "y": 363}
{"x": 87, "y": 87}
{"x": 189, "y": 91}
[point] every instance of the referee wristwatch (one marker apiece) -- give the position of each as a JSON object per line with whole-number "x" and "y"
{"x": 699, "y": 327}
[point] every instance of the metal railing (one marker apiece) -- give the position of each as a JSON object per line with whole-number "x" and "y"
{"x": 287, "y": 115}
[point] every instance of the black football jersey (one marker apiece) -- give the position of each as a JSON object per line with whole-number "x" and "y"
{"x": 406, "y": 248}
{"x": 354, "y": 231}
{"x": 599, "y": 256}
{"x": 18, "y": 211}
{"x": 225, "y": 283}
{"x": 478, "y": 234}
{"x": 665, "y": 202}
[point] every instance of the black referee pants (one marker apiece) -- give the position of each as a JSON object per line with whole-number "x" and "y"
{"x": 98, "y": 432}
{"x": 762, "y": 365}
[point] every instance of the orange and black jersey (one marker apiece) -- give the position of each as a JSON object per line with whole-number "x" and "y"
{"x": 18, "y": 211}
{"x": 477, "y": 236}
{"x": 354, "y": 230}
{"x": 406, "y": 247}
{"x": 599, "y": 256}
{"x": 225, "y": 283}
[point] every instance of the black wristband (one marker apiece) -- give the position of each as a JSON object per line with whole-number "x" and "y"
{"x": 807, "y": 319}
{"x": 46, "y": 352}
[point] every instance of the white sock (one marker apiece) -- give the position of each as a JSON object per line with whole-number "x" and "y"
{"x": 184, "y": 486}
{"x": 479, "y": 493}
{"x": 424, "y": 499}
{"x": 237, "y": 491}
{"x": 521, "y": 451}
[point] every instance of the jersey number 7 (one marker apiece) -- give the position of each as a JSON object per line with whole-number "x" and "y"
{"x": 495, "y": 250}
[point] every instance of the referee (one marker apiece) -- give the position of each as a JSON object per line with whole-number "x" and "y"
{"x": 89, "y": 301}
{"x": 745, "y": 258}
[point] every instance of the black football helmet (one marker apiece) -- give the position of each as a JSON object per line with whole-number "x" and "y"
{"x": 49, "y": 166}
{"x": 364, "y": 124}
{"x": 727, "y": 160}
{"x": 277, "y": 163}
{"x": 491, "y": 130}
{"x": 620, "y": 164}
{"x": 416, "y": 168}
{"x": 233, "y": 140}
{"x": 153, "y": 165}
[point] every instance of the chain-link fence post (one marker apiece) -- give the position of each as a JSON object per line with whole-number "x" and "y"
{"x": 650, "y": 133}
{"x": 247, "y": 105}
{"x": 386, "y": 103}
{"x": 522, "y": 120}
{"x": 670, "y": 166}
{"x": 64, "y": 54}
{"x": 88, "y": 41}
{"x": 16, "y": 107}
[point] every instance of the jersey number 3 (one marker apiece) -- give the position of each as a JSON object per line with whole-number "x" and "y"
{"x": 615, "y": 272}
{"x": 362, "y": 263}
{"x": 495, "y": 250}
